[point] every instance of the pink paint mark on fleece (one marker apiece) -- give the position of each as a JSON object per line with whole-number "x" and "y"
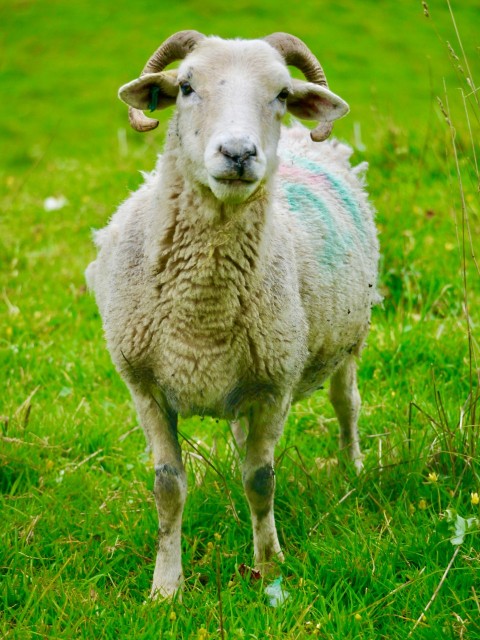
{"x": 298, "y": 175}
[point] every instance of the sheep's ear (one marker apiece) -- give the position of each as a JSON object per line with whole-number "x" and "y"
{"x": 310, "y": 101}
{"x": 152, "y": 91}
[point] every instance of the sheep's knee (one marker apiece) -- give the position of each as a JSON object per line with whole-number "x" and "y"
{"x": 260, "y": 488}
{"x": 169, "y": 490}
{"x": 259, "y": 484}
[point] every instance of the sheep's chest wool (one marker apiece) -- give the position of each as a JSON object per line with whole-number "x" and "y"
{"x": 220, "y": 335}
{"x": 242, "y": 273}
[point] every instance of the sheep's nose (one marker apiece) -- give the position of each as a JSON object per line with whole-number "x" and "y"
{"x": 238, "y": 153}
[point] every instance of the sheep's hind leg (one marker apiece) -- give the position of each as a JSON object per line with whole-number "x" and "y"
{"x": 239, "y": 429}
{"x": 346, "y": 401}
{"x": 265, "y": 428}
{"x": 170, "y": 489}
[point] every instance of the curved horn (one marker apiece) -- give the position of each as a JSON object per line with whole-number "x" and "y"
{"x": 176, "y": 47}
{"x": 297, "y": 54}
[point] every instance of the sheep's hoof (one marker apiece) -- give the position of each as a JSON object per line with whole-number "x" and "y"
{"x": 358, "y": 464}
{"x": 270, "y": 568}
{"x": 347, "y": 457}
{"x": 159, "y": 592}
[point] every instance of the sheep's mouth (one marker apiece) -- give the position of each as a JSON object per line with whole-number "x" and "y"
{"x": 235, "y": 180}
{"x": 234, "y": 190}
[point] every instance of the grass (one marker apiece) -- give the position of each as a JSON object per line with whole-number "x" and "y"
{"x": 364, "y": 556}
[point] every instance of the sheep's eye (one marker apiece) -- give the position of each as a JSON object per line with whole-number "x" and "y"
{"x": 186, "y": 88}
{"x": 283, "y": 95}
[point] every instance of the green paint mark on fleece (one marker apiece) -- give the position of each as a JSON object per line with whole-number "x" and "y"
{"x": 329, "y": 245}
{"x": 339, "y": 188}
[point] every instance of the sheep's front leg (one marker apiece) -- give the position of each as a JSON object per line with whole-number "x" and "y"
{"x": 265, "y": 428}
{"x": 170, "y": 489}
{"x": 346, "y": 401}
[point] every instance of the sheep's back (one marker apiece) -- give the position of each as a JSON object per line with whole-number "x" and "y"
{"x": 325, "y": 196}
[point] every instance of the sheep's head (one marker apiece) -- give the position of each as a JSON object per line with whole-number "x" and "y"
{"x": 231, "y": 96}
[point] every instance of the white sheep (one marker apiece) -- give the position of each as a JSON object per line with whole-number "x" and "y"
{"x": 241, "y": 275}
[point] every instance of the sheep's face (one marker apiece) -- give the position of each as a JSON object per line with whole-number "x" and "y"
{"x": 231, "y": 97}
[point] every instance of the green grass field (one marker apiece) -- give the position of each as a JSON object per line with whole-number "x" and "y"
{"x": 373, "y": 556}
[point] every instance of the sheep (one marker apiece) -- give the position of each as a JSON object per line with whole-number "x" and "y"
{"x": 241, "y": 274}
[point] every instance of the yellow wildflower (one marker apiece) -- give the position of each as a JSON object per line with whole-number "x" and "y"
{"x": 474, "y": 498}
{"x": 432, "y": 477}
{"x": 422, "y": 504}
